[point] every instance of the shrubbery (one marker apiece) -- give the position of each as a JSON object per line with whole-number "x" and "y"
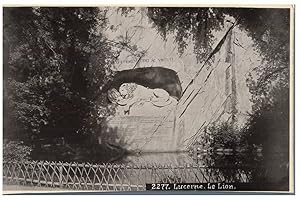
{"x": 16, "y": 151}
{"x": 224, "y": 135}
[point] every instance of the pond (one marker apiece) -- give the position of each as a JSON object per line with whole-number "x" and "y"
{"x": 266, "y": 170}
{"x": 263, "y": 171}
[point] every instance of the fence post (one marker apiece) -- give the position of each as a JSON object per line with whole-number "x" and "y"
{"x": 60, "y": 174}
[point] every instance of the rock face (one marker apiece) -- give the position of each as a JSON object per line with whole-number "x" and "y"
{"x": 146, "y": 120}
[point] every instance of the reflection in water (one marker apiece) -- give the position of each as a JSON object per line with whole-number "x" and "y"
{"x": 268, "y": 170}
{"x": 174, "y": 159}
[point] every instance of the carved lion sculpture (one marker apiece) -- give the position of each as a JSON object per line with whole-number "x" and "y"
{"x": 131, "y": 93}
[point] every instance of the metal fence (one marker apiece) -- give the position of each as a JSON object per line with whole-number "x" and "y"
{"x": 108, "y": 177}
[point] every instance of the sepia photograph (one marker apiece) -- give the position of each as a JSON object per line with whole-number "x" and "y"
{"x": 143, "y": 99}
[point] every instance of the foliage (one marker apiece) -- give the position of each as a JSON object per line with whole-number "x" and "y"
{"x": 15, "y": 151}
{"x": 269, "y": 83}
{"x": 224, "y": 135}
{"x": 268, "y": 125}
{"x": 269, "y": 28}
{"x": 55, "y": 60}
{"x": 186, "y": 23}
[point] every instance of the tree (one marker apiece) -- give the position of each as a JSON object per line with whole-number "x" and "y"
{"x": 268, "y": 28}
{"x": 15, "y": 151}
{"x": 185, "y": 23}
{"x": 268, "y": 124}
{"x": 55, "y": 59}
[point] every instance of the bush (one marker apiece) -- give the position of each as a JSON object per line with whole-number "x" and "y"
{"x": 16, "y": 151}
{"x": 224, "y": 135}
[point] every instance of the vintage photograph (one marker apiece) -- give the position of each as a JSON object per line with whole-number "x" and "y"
{"x": 148, "y": 99}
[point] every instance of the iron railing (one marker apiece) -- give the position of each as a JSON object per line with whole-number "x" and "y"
{"x": 108, "y": 177}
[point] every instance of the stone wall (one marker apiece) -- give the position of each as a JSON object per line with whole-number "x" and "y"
{"x": 143, "y": 133}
